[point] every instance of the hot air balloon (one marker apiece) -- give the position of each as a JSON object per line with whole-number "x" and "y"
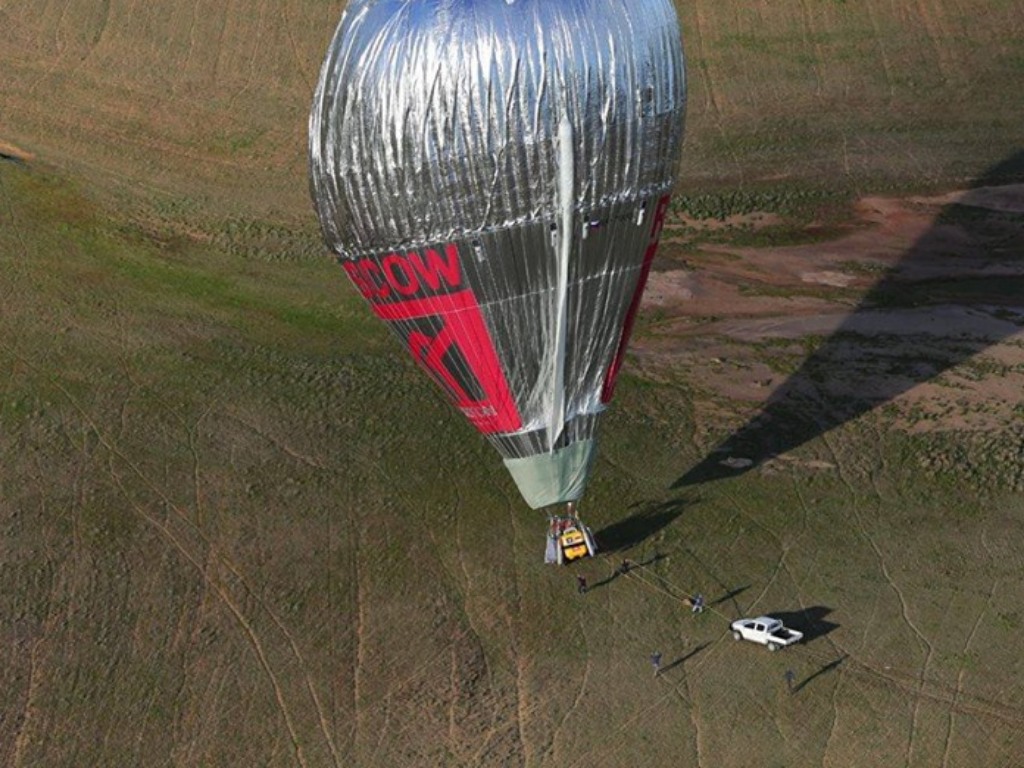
{"x": 493, "y": 175}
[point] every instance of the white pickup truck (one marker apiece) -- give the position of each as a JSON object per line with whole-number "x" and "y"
{"x": 766, "y": 631}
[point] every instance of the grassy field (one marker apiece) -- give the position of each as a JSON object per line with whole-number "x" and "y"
{"x": 238, "y": 528}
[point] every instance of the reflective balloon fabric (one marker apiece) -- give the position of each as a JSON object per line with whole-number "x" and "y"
{"x": 493, "y": 176}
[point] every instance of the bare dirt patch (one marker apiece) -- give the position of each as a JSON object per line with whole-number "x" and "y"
{"x": 915, "y": 276}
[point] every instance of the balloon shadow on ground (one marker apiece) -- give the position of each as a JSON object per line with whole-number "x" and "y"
{"x": 971, "y": 258}
{"x": 810, "y": 621}
{"x": 649, "y": 518}
{"x": 825, "y": 669}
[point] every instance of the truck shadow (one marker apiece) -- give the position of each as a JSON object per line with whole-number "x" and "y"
{"x": 811, "y": 621}
{"x": 984, "y": 243}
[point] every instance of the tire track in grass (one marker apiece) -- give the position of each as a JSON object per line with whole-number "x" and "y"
{"x": 700, "y": 23}
{"x": 497, "y": 727}
{"x": 883, "y": 57}
{"x": 219, "y": 587}
{"x": 203, "y": 605}
{"x": 403, "y": 498}
{"x": 452, "y": 684}
{"x": 923, "y": 642}
{"x": 204, "y": 571}
{"x": 191, "y": 36}
{"x": 190, "y": 432}
{"x": 314, "y": 463}
{"x": 935, "y": 692}
{"x": 206, "y": 596}
{"x": 13, "y": 262}
{"x": 476, "y": 635}
{"x": 58, "y": 46}
{"x": 905, "y": 613}
{"x": 435, "y": 661}
{"x": 383, "y": 707}
{"x": 957, "y": 693}
{"x": 695, "y": 719}
{"x": 551, "y": 750}
{"x": 783, "y": 546}
{"x": 25, "y": 717}
{"x": 958, "y": 690}
{"x": 922, "y": 639}
{"x": 841, "y": 677}
{"x": 930, "y": 15}
{"x": 453, "y": 687}
{"x": 303, "y": 76}
{"x": 523, "y": 707}
{"x": 55, "y": 619}
{"x": 94, "y": 43}
{"x": 520, "y": 668}
{"x": 464, "y": 595}
{"x": 451, "y": 648}
{"x": 293, "y": 645}
{"x": 584, "y": 758}
{"x": 250, "y": 633}
{"x": 833, "y": 722}
{"x": 839, "y": 682}
{"x": 257, "y": 48}
{"x": 220, "y": 47}
{"x": 906, "y": 682}
{"x": 357, "y": 633}
{"x": 810, "y": 42}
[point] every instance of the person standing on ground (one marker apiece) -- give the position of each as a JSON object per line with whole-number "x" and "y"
{"x": 656, "y": 662}
{"x": 790, "y": 677}
{"x": 698, "y": 604}
{"x": 581, "y": 583}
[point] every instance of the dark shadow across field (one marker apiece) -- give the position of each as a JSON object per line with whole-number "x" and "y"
{"x": 805, "y": 406}
{"x": 647, "y": 520}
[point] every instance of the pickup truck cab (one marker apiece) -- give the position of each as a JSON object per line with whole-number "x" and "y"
{"x": 766, "y": 631}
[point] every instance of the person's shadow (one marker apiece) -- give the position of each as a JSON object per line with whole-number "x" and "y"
{"x": 685, "y": 657}
{"x": 821, "y": 671}
{"x": 987, "y": 241}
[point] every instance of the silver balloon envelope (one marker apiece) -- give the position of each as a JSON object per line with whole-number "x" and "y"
{"x": 493, "y": 175}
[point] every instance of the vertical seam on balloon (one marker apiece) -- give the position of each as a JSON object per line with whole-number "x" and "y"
{"x": 566, "y": 184}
